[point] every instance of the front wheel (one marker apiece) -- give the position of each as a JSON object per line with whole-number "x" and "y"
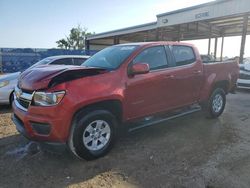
{"x": 93, "y": 135}
{"x": 216, "y": 103}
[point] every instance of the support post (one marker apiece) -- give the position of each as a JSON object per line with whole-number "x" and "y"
{"x": 162, "y": 37}
{"x": 209, "y": 46}
{"x": 197, "y": 27}
{"x": 222, "y": 47}
{"x": 243, "y": 38}
{"x": 188, "y": 27}
{"x": 87, "y": 46}
{"x": 179, "y": 33}
{"x": 157, "y": 34}
{"x": 209, "y": 41}
{"x": 215, "y": 47}
{"x": 116, "y": 40}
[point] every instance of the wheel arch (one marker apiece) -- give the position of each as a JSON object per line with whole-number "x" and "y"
{"x": 211, "y": 83}
{"x": 112, "y": 105}
{"x": 10, "y": 96}
{"x": 223, "y": 84}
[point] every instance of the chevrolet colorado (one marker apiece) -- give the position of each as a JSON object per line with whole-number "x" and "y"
{"x": 85, "y": 107}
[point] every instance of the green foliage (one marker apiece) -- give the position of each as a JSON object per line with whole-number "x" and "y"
{"x": 75, "y": 40}
{"x": 63, "y": 44}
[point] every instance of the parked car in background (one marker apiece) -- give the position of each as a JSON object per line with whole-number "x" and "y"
{"x": 85, "y": 107}
{"x": 9, "y": 81}
{"x": 7, "y": 85}
{"x": 207, "y": 58}
{"x": 244, "y": 78}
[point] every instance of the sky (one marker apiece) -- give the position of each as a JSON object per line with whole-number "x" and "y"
{"x": 40, "y": 23}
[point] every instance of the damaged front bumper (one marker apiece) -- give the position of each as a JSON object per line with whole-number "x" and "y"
{"x": 54, "y": 147}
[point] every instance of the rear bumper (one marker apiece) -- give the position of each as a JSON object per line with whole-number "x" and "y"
{"x": 242, "y": 83}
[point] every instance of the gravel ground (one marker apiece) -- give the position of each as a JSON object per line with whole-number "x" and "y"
{"x": 191, "y": 151}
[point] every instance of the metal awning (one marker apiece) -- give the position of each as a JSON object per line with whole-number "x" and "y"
{"x": 221, "y": 18}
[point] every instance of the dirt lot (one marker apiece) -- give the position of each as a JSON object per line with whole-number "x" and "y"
{"x": 188, "y": 152}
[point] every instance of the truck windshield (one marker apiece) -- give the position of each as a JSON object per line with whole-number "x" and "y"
{"x": 111, "y": 57}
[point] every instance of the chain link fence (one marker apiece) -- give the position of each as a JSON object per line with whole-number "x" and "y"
{"x": 19, "y": 59}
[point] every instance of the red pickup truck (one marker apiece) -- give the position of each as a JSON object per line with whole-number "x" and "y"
{"x": 85, "y": 107}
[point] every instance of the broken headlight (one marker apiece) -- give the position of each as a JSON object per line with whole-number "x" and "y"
{"x": 47, "y": 98}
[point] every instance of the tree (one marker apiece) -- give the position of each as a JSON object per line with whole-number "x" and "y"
{"x": 75, "y": 40}
{"x": 63, "y": 44}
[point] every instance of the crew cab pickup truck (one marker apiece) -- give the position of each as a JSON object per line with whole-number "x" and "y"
{"x": 85, "y": 107}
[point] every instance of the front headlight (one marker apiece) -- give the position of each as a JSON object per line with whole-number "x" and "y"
{"x": 47, "y": 99}
{"x": 4, "y": 83}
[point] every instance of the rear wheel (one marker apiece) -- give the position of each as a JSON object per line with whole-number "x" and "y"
{"x": 93, "y": 135}
{"x": 216, "y": 103}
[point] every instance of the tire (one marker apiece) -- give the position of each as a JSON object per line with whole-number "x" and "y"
{"x": 92, "y": 134}
{"x": 216, "y": 103}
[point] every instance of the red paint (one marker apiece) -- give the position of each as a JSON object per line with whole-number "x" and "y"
{"x": 140, "y": 95}
{"x": 140, "y": 68}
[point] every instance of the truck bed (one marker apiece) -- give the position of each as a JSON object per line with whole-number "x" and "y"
{"x": 223, "y": 70}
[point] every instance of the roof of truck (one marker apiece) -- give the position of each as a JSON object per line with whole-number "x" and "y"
{"x": 156, "y": 43}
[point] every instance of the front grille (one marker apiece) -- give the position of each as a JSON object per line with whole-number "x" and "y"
{"x": 24, "y": 103}
{"x": 244, "y": 76}
{"x": 23, "y": 98}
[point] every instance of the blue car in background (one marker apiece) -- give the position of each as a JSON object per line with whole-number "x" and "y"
{"x": 9, "y": 81}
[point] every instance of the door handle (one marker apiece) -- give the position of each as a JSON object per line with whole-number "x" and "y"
{"x": 169, "y": 76}
{"x": 197, "y": 71}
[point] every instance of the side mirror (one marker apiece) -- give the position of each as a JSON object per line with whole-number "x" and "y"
{"x": 139, "y": 68}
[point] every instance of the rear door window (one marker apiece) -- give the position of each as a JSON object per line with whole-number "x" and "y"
{"x": 79, "y": 61}
{"x": 64, "y": 61}
{"x": 183, "y": 55}
{"x": 155, "y": 57}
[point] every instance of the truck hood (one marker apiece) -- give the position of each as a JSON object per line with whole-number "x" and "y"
{"x": 46, "y": 76}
